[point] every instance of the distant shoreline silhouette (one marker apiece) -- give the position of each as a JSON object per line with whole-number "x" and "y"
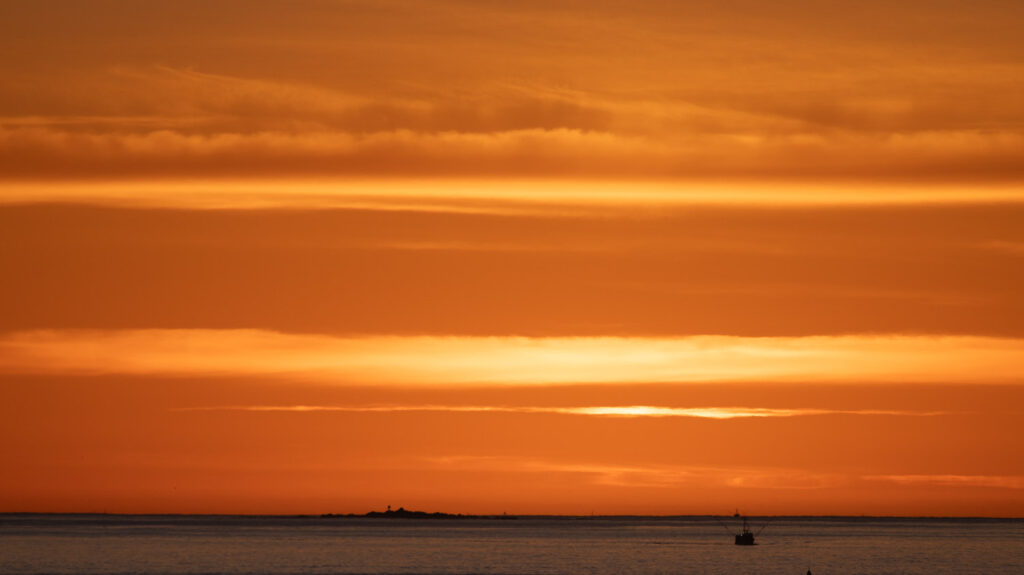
{"x": 403, "y": 513}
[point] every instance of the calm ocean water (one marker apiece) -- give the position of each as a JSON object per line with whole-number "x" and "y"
{"x": 232, "y": 544}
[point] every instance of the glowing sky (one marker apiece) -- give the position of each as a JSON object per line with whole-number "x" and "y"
{"x": 524, "y": 257}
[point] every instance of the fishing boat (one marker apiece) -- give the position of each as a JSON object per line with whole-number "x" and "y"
{"x": 745, "y": 537}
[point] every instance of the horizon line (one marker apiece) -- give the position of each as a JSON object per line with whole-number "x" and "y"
{"x": 355, "y": 515}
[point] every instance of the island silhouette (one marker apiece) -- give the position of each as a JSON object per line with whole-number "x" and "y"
{"x": 403, "y": 513}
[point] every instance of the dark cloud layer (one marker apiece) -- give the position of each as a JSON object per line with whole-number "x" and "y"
{"x": 862, "y": 90}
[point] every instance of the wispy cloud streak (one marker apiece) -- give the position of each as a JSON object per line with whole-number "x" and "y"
{"x": 625, "y": 411}
{"x": 520, "y": 196}
{"x": 650, "y": 474}
{"x": 950, "y": 480}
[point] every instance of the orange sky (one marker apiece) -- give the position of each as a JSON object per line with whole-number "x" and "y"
{"x": 531, "y": 257}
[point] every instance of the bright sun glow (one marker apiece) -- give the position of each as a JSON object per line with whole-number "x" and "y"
{"x": 445, "y": 361}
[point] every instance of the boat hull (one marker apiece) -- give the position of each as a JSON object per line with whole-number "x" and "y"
{"x": 745, "y": 539}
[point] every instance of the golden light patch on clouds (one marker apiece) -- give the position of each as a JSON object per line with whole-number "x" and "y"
{"x": 508, "y": 197}
{"x": 598, "y": 411}
{"x": 446, "y": 361}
